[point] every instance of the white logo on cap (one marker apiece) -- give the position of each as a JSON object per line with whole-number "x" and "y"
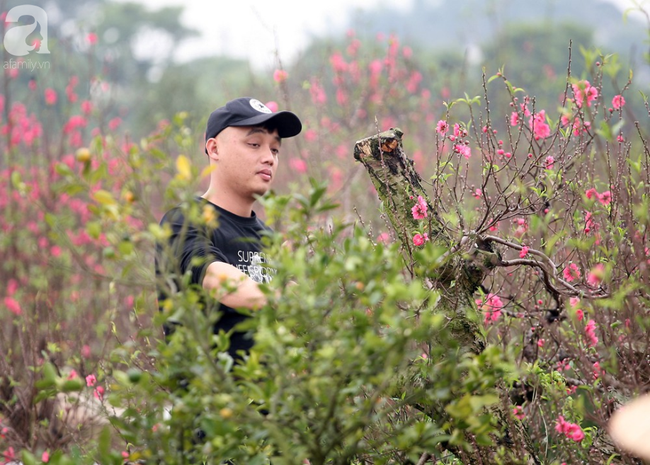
{"x": 259, "y": 106}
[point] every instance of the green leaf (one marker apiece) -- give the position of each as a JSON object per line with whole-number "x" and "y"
{"x": 71, "y": 385}
{"x": 104, "y": 197}
{"x": 49, "y": 372}
{"x": 478, "y": 402}
{"x": 605, "y": 131}
{"x": 94, "y": 229}
{"x": 104, "y": 442}
{"x": 28, "y": 458}
{"x": 16, "y": 178}
{"x": 63, "y": 169}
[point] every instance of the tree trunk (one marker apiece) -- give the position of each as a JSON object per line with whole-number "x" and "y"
{"x": 462, "y": 267}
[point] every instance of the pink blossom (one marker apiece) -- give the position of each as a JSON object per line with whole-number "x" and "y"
{"x": 353, "y": 47}
{"x": 590, "y": 331}
{"x": 570, "y": 430}
{"x": 86, "y": 107}
{"x": 341, "y": 96}
{"x": 91, "y": 380}
{"x": 540, "y": 342}
{"x": 12, "y": 287}
{"x": 383, "y": 238}
{"x": 442, "y": 127}
{"x": 541, "y": 130}
{"x": 272, "y": 105}
{"x": 73, "y": 374}
{"x": 597, "y": 371}
{"x": 317, "y": 93}
{"x": 99, "y": 392}
{"x": 549, "y": 162}
{"x": 523, "y": 252}
{"x": 9, "y": 454}
{"x": 50, "y": 96}
{"x": 582, "y": 91}
{"x": 571, "y": 272}
{"x": 85, "y": 351}
{"x": 491, "y": 307}
{"x": 464, "y": 150}
{"x": 311, "y": 135}
{"x": 596, "y": 275}
{"x": 576, "y": 127}
{"x": 574, "y": 432}
{"x": 375, "y": 71}
{"x": 457, "y": 131}
{"x": 342, "y": 151}
{"x": 420, "y": 239}
{"x": 605, "y": 198}
{"x": 338, "y": 63}
{"x": 618, "y": 102}
{"x": 69, "y": 90}
{"x": 75, "y": 121}
{"x": 419, "y": 210}
{"x": 45, "y": 457}
{"x": 478, "y": 193}
{"x": 514, "y": 119}
{"x": 589, "y": 223}
{"x": 574, "y": 302}
{"x": 413, "y": 82}
{"x": 13, "y": 306}
{"x": 114, "y": 123}
{"x": 522, "y": 227}
{"x": 280, "y": 75}
{"x": 563, "y": 365}
{"x": 518, "y": 412}
{"x": 298, "y": 164}
{"x": 14, "y": 72}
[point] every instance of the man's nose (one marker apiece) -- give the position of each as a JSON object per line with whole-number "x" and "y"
{"x": 269, "y": 156}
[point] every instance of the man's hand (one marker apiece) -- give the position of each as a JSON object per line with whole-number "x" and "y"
{"x": 245, "y": 292}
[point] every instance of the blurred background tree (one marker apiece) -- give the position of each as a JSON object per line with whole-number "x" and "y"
{"x": 133, "y": 46}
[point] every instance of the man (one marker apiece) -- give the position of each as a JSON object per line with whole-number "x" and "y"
{"x": 242, "y": 142}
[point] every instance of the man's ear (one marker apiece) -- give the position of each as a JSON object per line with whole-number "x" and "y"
{"x": 211, "y": 148}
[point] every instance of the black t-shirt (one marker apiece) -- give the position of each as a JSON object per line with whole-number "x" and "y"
{"x": 235, "y": 240}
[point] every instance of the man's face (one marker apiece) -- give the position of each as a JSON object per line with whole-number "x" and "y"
{"x": 247, "y": 159}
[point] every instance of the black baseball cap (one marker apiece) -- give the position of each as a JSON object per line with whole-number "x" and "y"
{"x": 247, "y": 111}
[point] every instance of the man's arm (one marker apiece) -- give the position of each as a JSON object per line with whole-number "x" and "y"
{"x": 246, "y": 292}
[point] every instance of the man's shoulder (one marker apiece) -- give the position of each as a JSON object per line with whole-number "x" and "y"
{"x": 180, "y": 211}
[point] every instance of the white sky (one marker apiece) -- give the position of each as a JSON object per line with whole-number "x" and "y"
{"x": 256, "y": 29}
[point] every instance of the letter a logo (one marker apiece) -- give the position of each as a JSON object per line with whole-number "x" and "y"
{"x": 15, "y": 40}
